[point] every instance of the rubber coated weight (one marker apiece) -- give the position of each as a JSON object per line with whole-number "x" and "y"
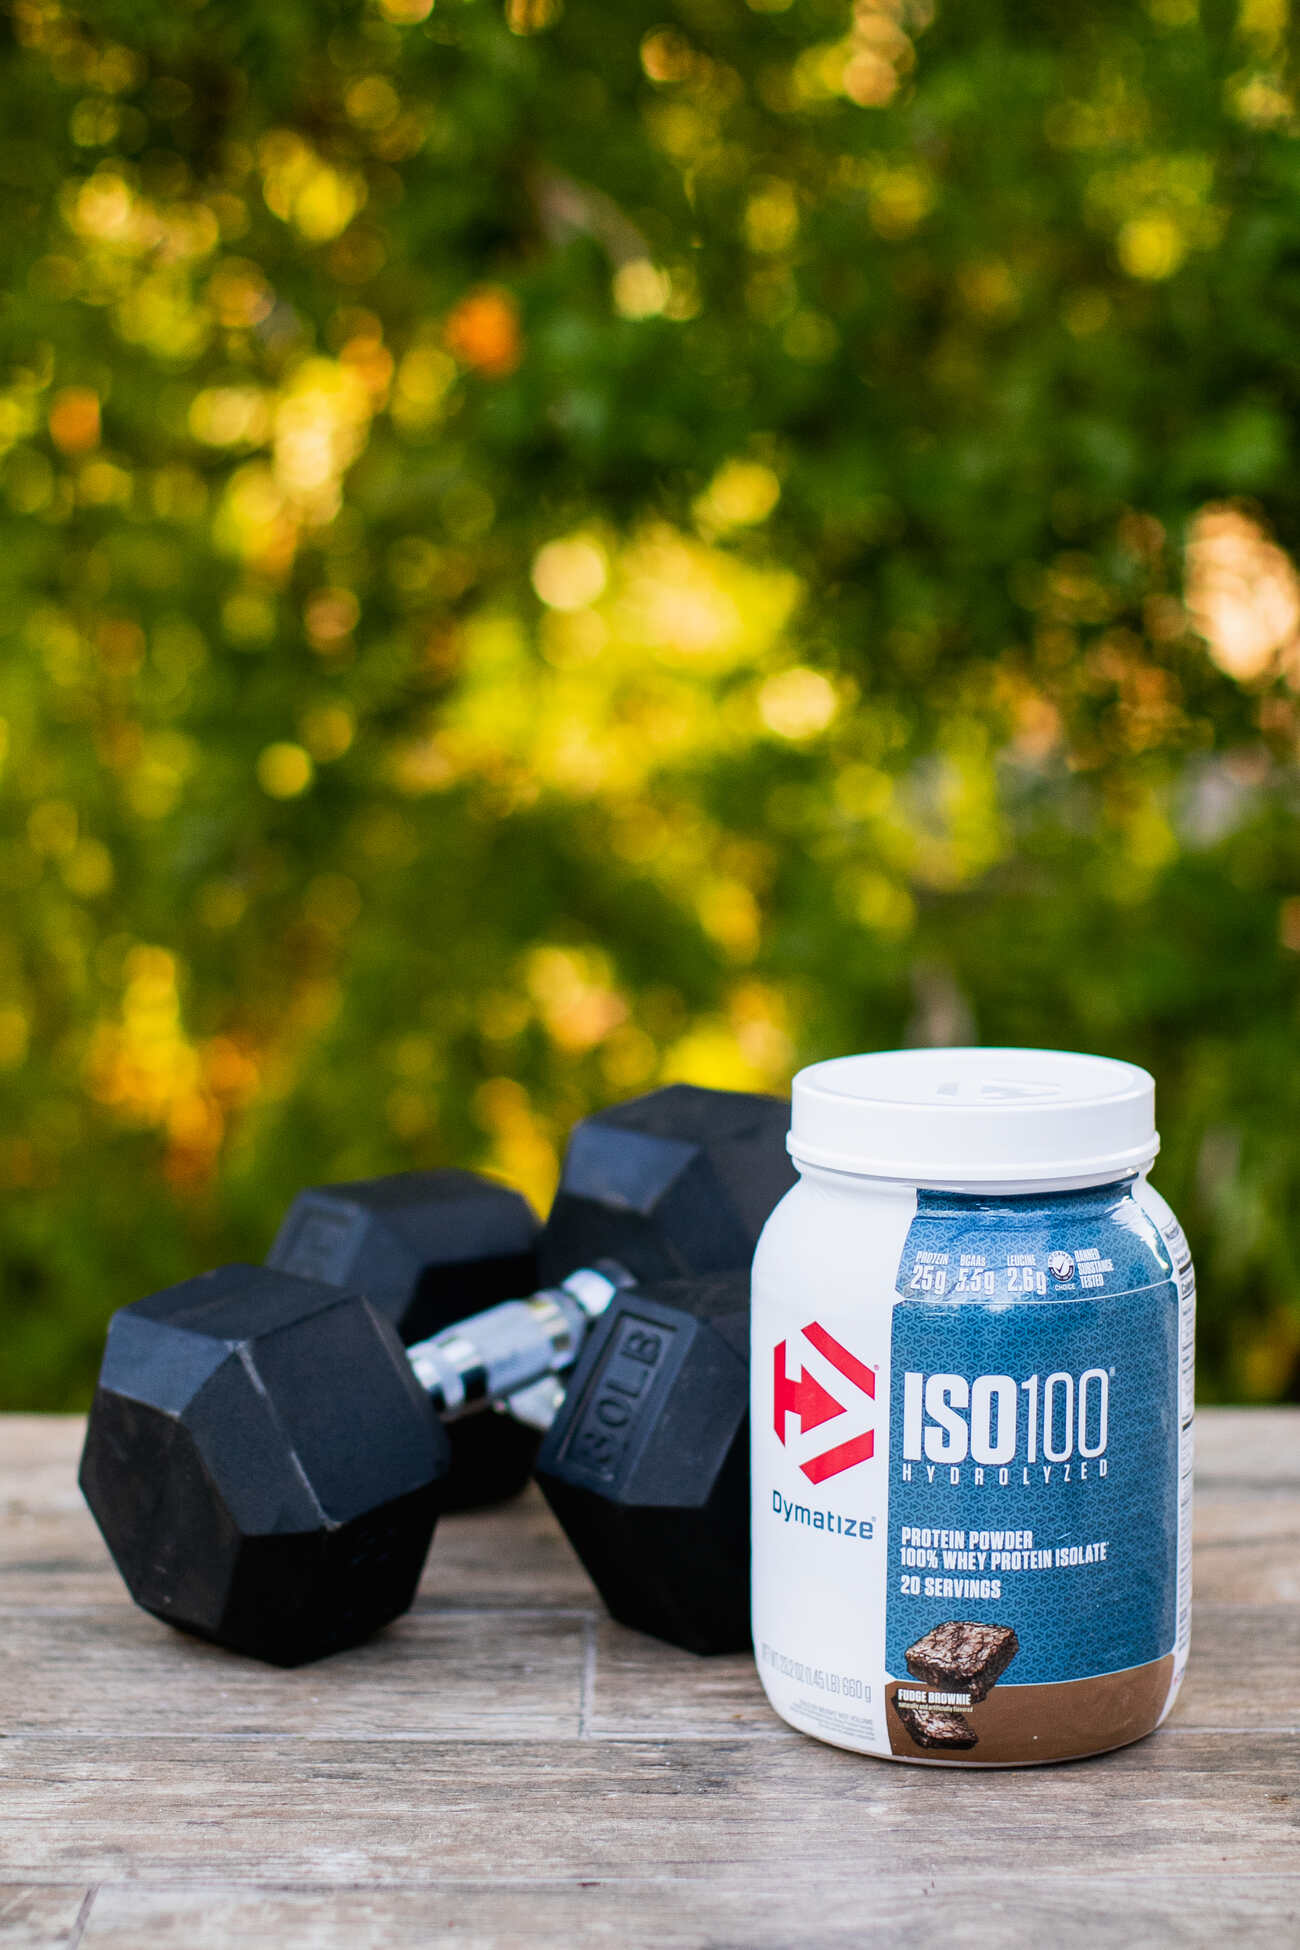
{"x": 646, "y": 1465}
{"x": 427, "y": 1248}
{"x": 264, "y": 1466}
{"x": 670, "y": 1185}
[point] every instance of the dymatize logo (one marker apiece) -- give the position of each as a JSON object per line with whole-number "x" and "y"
{"x": 814, "y": 1403}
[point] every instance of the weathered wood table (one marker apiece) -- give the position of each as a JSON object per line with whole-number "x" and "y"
{"x": 505, "y": 1766}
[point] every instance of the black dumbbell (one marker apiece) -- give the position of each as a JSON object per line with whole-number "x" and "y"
{"x": 427, "y": 1248}
{"x": 646, "y": 1461}
{"x": 266, "y": 1462}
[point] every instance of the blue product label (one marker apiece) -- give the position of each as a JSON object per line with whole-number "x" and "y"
{"x": 1034, "y": 1424}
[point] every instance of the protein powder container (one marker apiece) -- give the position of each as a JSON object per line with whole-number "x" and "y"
{"x": 972, "y": 1411}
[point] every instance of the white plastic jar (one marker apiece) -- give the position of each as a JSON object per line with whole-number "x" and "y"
{"x": 972, "y": 1411}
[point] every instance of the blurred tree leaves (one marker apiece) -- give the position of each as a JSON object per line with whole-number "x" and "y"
{"x": 549, "y": 548}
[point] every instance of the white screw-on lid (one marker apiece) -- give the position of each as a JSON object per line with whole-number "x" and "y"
{"x": 976, "y": 1117}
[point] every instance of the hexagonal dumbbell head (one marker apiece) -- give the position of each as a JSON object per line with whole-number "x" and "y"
{"x": 427, "y": 1248}
{"x": 263, "y": 1464}
{"x": 647, "y": 1464}
{"x": 676, "y": 1183}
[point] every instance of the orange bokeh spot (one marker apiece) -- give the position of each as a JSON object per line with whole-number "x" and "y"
{"x": 74, "y": 420}
{"x": 483, "y": 332}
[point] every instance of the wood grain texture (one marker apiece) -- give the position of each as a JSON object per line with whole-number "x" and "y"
{"x": 287, "y": 1811}
{"x": 453, "y": 1676}
{"x": 506, "y": 1766}
{"x": 1258, "y": 1448}
{"x": 41, "y": 1917}
{"x": 726, "y": 1913}
{"x": 1246, "y": 1547}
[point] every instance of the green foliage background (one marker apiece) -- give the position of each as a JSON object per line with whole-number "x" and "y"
{"x": 548, "y": 551}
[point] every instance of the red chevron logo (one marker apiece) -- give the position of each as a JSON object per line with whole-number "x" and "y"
{"x": 813, "y": 1403}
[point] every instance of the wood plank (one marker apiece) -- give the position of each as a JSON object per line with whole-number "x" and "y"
{"x": 40, "y": 1917}
{"x": 30, "y": 1443}
{"x": 513, "y": 1674}
{"x": 1248, "y": 1448}
{"x": 1246, "y": 1546}
{"x": 646, "y": 1691}
{"x": 1244, "y": 1668}
{"x": 350, "y": 1812}
{"x": 981, "y": 1912}
{"x": 50, "y": 1550}
{"x": 513, "y": 1555}
{"x": 445, "y": 1675}
{"x": 1244, "y": 1672}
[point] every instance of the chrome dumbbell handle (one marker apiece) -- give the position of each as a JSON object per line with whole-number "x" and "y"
{"x": 508, "y": 1356}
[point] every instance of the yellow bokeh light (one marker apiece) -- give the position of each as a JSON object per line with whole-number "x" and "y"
{"x": 1264, "y": 23}
{"x": 256, "y": 523}
{"x": 105, "y": 208}
{"x": 424, "y": 378}
{"x": 989, "y": 289}
{"x": 329, "y": 617}
{"x": 239, "y": 294}
{"x": 898, "y": 196}
{"x": 881, "y": 904}
{"x": 328, "y": 731}
{"x": 729, "y": 913}
{"x": 1152, "y": 246}
{"x": 798, "y": 703}
{"x": 1261, "y": 100}
{"x": 373, "y": 102}
{"x": 741, "y": 494}
{"x": 101, "y": 485}
{"x": 575, "y": 995}
{"x": 640, "y": 289}
{"x": 301, "y": 188}
{"x": 230, "y": 416}
{"x": 868, "y": 65}
{"x": 142, "y": 1066}
{"x": 321, "y": 423}
{"x": 667, "y": 56}
{"x": 772, "y": 217}
{"x": 570, "y": 573}
{"x": 285, "y": 771}
{"x": 157, "y": 778}
{"x": 88, "y": 870}
{"x": 522, "y": 1149}
{"x": 532, "y": 16}
{"x": 1242, "y": 593}
{"x": 713, "y": 1055}
{"x": 685, "y": 601}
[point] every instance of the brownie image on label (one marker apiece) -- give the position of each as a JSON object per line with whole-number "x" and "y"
{"x": 963, "y": 1656}
{"x": 929, "y": 1726}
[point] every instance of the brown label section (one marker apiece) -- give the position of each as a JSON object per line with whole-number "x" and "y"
{"x": 1019, "y": 1725}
